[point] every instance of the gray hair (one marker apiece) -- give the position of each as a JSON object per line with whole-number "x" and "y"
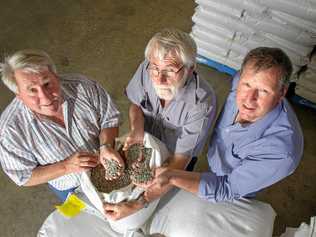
{"x": 263, "y": 58}
{"x": 30, "y": 60}
{"x": 172, "y": 41}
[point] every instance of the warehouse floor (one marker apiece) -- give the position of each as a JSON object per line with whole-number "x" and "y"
{"x": 105, "y": 40}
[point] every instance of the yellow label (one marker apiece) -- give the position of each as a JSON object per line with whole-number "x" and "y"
{"x": 72, "y": 206}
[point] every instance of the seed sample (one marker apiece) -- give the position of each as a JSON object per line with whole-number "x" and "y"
{"x": 137, "y": 168}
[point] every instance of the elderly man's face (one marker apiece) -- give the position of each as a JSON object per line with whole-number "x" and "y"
{"x": 168, "y": 76}
{"x": 39, "y": 91}
{"x": 257, "y": 94}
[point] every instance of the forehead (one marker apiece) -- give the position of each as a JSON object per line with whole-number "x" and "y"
{"x": 165, "y": 59}
{"x": 269, "y": 76}
{"x": 24, "y": 76}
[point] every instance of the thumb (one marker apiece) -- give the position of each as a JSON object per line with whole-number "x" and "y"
{"x": 127, "y": 143}
{"x": 108, "y": 207}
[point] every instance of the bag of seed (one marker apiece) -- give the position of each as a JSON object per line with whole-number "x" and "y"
{"x": 98, "y": 189}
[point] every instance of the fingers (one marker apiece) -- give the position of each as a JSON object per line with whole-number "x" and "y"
{"x": 88, "y": 161}
{"x": 143, "y": 185}
{"x": 111, "y": 154}
{"x": 109, "y": 207}
{"x": 110, "y": 211}
{"x": 80, "y": 161}
{"x": 127, "y": 144}
{"x": 133, "y": 138}
{"x": 118, "y": 159}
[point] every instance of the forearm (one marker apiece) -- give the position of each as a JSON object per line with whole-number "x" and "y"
{"x": 136, "y": 118}
{"x": 108, "y": 135}
{"x": 188, "y": 181}
{"x": 43, "y": 174}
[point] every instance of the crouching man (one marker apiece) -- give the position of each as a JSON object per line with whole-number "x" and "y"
{"x": 54, "y": 125}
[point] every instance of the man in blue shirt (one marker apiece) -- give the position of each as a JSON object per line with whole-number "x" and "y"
{"x": 257, "y": 140}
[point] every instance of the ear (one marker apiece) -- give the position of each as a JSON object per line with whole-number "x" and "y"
{"x": 17, "y": 93}
{"x": 283, "y": 91}
{"x": 191, "y": 69}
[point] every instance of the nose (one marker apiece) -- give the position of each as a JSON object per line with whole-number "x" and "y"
{"x": 252, "y": 95}
{"x": 44, "y": 95}
{"x": 161, "y": 78}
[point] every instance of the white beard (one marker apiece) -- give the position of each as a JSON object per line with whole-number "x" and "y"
{"x": 169, "y": 92}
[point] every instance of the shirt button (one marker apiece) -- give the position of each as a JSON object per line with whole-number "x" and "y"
{"x": 227, "y": 130}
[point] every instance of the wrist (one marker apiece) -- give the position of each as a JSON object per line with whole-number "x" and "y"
{"x": 172, "y": 177}
{"x": 106, "y": 145}
{"x": 63, "y": 166}
{"x": 142, "y": 202}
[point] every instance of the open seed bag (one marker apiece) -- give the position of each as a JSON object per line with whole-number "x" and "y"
{"x": 158, "y": 155}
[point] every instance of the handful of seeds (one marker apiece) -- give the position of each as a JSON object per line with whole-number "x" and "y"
{"x": 137, "y": 169}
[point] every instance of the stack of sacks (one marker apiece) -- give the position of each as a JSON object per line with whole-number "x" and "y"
{"x": 226, "y": 30}
{"x": 306, "y": 83}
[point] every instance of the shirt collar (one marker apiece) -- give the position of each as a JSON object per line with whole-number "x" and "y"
{"x": 190, "y": 91}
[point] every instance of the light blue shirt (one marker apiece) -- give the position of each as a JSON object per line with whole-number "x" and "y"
{"x": 183, "y": 125}
{"x": 246, "y": 159}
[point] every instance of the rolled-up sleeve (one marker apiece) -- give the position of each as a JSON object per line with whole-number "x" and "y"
{"x": 16, "y": 161}
{"x": 107, "y": 110}
{"x": 135, "y": 89}
{"x": 255, "y": 173}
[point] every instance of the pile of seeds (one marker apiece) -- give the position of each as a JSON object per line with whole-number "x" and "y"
{"x": 136, "y": 168}
{"x": 112, "y": 170}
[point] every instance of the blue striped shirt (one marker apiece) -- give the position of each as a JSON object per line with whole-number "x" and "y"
{"x": 28, "y": 141}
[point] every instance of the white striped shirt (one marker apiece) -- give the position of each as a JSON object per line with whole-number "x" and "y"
{"x": 27, "y": 141}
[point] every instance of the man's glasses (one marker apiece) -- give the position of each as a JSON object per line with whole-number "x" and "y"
{"x": 168, "y": 73}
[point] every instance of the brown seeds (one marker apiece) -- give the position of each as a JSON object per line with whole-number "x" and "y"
{"x": 136, "y": 168}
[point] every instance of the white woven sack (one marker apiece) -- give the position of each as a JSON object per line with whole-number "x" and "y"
{"x": 158, "y": 157}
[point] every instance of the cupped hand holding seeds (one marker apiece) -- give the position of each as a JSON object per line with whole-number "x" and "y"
{"x": 139, "y": 158}
{"x": 112, "y": 162}
{"x": 134, "y": 137}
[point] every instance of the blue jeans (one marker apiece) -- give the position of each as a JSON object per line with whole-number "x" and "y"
{"x": 61, "y": 194}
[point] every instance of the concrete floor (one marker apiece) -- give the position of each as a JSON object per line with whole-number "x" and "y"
{"x": 105, "y": 40}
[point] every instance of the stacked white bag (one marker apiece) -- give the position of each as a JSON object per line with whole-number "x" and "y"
{"x": 306, "y": 83}
{"x": 226, "y": 30}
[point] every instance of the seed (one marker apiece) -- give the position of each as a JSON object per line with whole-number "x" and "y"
{"x": 140, "y": 173}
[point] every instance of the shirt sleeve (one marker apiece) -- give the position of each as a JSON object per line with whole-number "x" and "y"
{"x": 135, "y": 88}
{"x": 108, "y": 112}
{"x": 253, "y": 174}
{"x": 16, "y": 161}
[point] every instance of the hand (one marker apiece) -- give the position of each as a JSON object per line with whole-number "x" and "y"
{"x": 111, "y": 154}
{"x": 162, "y": 176}
{"x": 142, "y": 185}
{"x": 134, "y": 137}
{"x": 120, "y": 210}
{"x": 160, "y": 185}
{"x": 80, "y": 161}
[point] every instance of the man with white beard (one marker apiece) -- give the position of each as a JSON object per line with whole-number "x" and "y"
{"x": 171, "y": 102}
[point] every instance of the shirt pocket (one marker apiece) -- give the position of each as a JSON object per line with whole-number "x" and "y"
{"x": 171, "y": 133}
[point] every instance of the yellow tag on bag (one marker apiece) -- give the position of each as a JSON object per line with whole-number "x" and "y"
{"x": 72, "y": 206}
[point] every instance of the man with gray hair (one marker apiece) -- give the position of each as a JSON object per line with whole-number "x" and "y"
{"x": 257, "y": 140}
{"x": 54, "y": 126}
{"x": 171, "y": 102}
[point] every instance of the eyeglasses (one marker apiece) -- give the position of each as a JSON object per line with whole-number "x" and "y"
{"x": 168, "y": 73}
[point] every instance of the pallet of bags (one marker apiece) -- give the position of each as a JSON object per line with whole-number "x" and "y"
{"x": 226, "y": 31}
